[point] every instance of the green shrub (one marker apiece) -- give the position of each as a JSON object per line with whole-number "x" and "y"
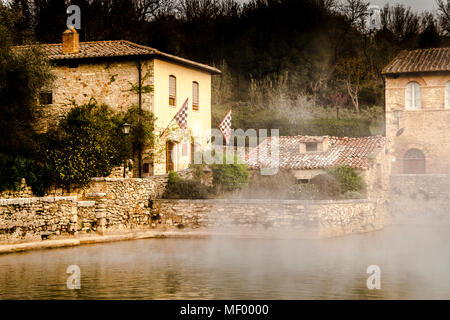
{"x": 229, "y": 177}
{"x": 178, "y": 188}
{"x": 327, "y": 186}
{"x": 348, "y": 179}
{"x": 39, "y": 176}
{"x": 86, "y": 144}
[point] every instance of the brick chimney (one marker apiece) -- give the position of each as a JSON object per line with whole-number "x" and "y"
{"x": 70, "y": 41}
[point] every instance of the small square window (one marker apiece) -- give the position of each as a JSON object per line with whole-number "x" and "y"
{"x": 311, "y": 146}
{"x": 45, "y": 97}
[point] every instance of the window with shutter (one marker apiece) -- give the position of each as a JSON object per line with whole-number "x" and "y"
{"x": 413, "y": 99}
{"x": 172, "y": 91}
{"x": 195, "y": 96}
{"x": 447, "y": 96}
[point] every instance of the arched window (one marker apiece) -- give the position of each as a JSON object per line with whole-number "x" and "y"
{"x": 195, "y": 96}
{"x": 447, "y": 96}
{"x": 413, "y": 96}
{"x": 172, "y": 91}
{"x": 414, "y": 162}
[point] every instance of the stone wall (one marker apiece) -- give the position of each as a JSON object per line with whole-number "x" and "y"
{"x": 112, "y": 205}
{"x": 28, "y": 218}
{"x": 307, "y": 219}
{"x": 108, "y": 205}
{"x": 107, "y": 82}
{"x": 420, "y": 198}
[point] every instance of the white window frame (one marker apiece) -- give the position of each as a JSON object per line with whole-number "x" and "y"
{"x": 413, "y": 96}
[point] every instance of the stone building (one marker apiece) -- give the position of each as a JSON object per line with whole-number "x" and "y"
{"x": 308, "y": 156}
{"x": 109, "y": 72}
{"x": 418, "y": 111}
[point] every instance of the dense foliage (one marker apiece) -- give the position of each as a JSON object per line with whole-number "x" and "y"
{"x": 178, "y": 188}
{"x": 327, "y": 186}
{"x": 22, "y": 74}
{"x": 37, "y": 174}
{"x": 229, "y": 177}
{"x": 84, "y": 145}
{"x": 349, "y": 180}
{"x": 141, "y": 132}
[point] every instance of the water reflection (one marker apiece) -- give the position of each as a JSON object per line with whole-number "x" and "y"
{"x": 414, "y": 262}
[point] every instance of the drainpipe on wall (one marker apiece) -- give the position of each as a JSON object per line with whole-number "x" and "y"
{"x": 139, "y": 67}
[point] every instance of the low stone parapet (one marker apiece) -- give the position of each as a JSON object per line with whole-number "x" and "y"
{"x": 312, "y": 219}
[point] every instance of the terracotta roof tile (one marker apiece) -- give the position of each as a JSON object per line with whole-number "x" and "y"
{"x": 354, "y": 152}
{"x": 115, "y": 48}
{"x": 421, "y": 60}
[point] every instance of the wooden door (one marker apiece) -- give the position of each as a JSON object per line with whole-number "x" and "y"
{"x": 414, "y": 162}
{"x": 170, "y": 165}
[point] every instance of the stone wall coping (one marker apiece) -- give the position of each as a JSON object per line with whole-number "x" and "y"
{"x": 96, "y": 195}
{"x": 266, "y": 201}
{"x": 428, "y": 175}
{"x": 22, "y": 201}
{"x": 165, "y": 175}
{"x": 86, "y": 203}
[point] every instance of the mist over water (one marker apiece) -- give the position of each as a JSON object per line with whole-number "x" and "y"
{"x": 413, "y": 261}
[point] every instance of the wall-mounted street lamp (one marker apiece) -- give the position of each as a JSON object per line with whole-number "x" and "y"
{"x": 125, "y": 130}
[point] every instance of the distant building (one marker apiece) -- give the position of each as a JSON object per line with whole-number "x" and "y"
{"x": 373, "y": 19}
{"x": 309, "y": 156}
{"x": 108, "y": 70}
{"x": 418, "y": 111}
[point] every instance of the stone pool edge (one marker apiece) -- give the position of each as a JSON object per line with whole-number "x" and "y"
{"x": 97, "y": 239}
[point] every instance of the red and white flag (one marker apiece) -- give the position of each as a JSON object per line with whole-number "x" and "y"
{"x": 181, "y": 116}
{"x": 225, "y": 127}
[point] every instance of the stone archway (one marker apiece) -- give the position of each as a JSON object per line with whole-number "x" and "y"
{"x": 414, "y": 162}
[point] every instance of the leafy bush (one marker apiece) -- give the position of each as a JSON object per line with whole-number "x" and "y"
{"x": 327, "y": 186}
{"x": 39, "y": 176}
{"x": 142, "y": 127}
{"x": 229, "y": 177}
{"x": 84, "y": 145}
{"x": 279, "y": 186}
{"x": 348, "y": 178}
{"x": 178, "y": 188}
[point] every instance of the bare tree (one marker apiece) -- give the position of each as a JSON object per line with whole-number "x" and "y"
{"x": 444, "y": 15}
{"x": 355, "y": 11}
{"x": 149, "y": 9}
{"x": 400, "y": 20}
{"x": 354, "y": 73}
{"x": 195, "y": 9}
{"x": 330, "y": 5}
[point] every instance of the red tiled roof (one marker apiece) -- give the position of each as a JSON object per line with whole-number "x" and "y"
{"x": 421, "y": 60}
{"x": 354, "y": 152}
{"x": 116, "y": 48}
